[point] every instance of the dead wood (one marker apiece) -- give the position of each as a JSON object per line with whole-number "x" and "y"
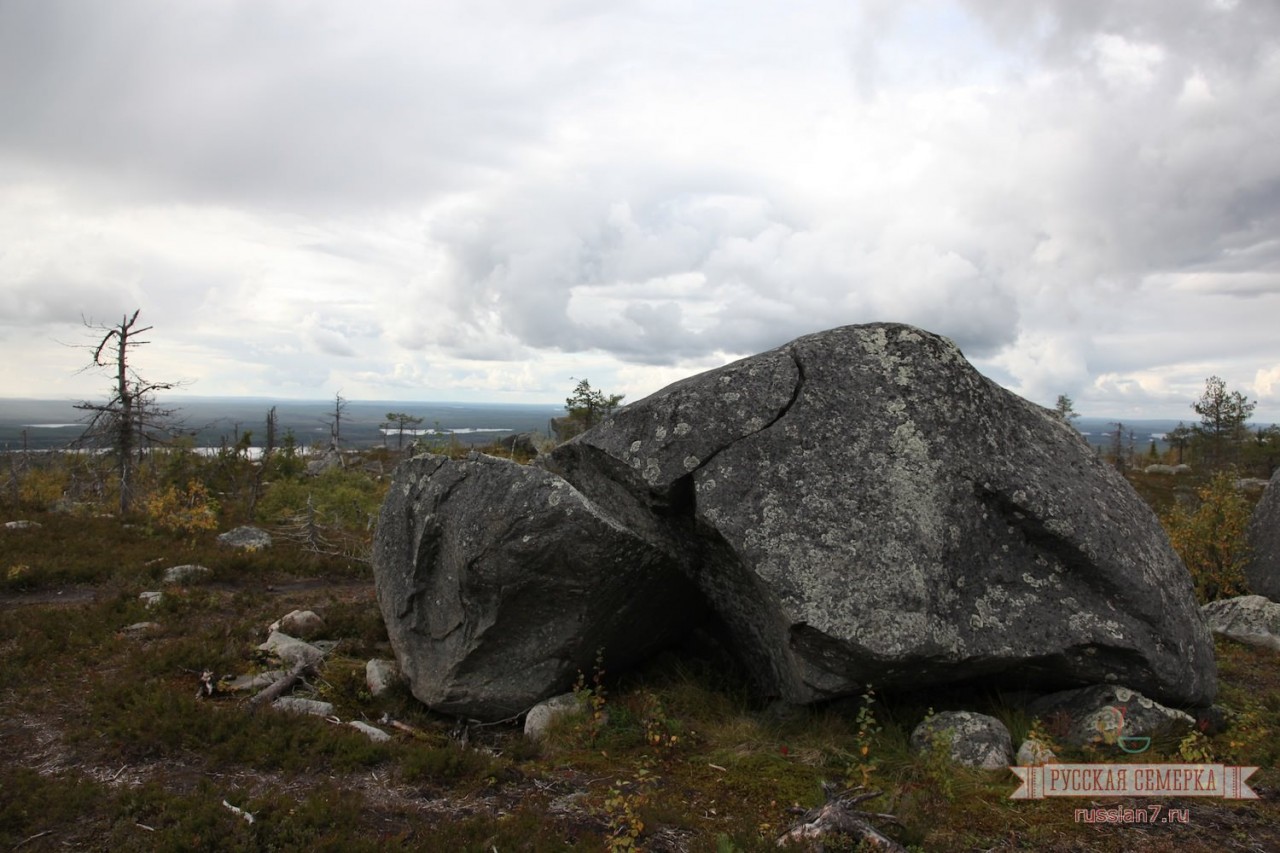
{"x": 280, "y": 687}
{"x": 838, "y": 816}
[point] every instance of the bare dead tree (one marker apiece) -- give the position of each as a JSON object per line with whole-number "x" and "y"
{"x": 129, "y": 419}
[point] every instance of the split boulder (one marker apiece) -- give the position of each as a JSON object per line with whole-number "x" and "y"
{"x": 858, "y": 506}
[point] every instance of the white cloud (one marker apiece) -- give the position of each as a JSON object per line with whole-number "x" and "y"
{"x": 473, "y": 199}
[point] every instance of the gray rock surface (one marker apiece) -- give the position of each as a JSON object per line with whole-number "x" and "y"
{"x": 976, "y": 740}
{"x": 862, "y": 506}
{"x": 21, "y": 524}
{"x": 858, "y": 506}
{"x": 379, "y": 675}
{"x": 1252, "y": 619}
{"x": 186, "y": 574}
{"x": 291, "y": 650}
{"x": 1033, "y": 753}
{"x": 499, "y": 582}
{"x": 1262, "y": 574}
{"x": 542, "y": 715}
{"x": 525, "y": 443}
{"x": 1103, "y": 714}
{"x": 246, "y": 537}
{"x": 300, "y": 623}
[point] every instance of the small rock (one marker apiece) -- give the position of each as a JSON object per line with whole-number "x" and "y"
{"x": 294, "y": 705}
{"x": 254, "y": 682}
{"x": 540, "y": 716}
{"x": 141, "y": 628}
{"x": 1106, "y": 713}
{"x": 1033, "y": 753}
{"x": 185, "y": 574}
{"x": 21, "y": 524}
{"x": 1251, "y": 619}
{"x": 375, "y": 734}
{"x": 291, "y": 649}
{"x": 380, "y": 675}
{"x": 248, "y": 538}
{"x": 151, "y": 599}
{"x": 976, "y": 739}
{"x": 1159, "y": 469}
{"x": 300, "y": 623}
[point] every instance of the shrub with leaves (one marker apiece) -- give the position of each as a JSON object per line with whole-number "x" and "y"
{"x": 1212, "y": 540}
{"x": 187, "y": 511}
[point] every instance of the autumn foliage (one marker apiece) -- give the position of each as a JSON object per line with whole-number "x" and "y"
{"x": 1211, "y": 540}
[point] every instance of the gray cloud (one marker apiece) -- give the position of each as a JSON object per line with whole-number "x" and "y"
{"x": 1082, "y": 194}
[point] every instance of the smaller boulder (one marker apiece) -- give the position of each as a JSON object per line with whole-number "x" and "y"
{"x": 150, "y": 599}
{"x": 246, "y": 537}
{"x": 374, "y": 733}
{"x": 1108, "y": 714}
{"x": 1159, "y": 469}
{"x": 1033, "y": 753}
{"x": 976, "y": 740}
{"x": 540, "y": 716}
{"x": 1251, "y": 619}
{"x": 21, "y": 524}
{"x": 380, "y": 674}
{"x": 291, "y": 650}
{"x": 524, "y": 443}
{"x": 300, "y": 623}
{"x": 186, "y": 574}
{"x": 294, "y": 705}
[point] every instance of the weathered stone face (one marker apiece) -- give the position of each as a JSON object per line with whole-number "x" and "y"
{"x": 857, "y": 506}
{"x": 863, "y": 506}
{"x": 1263, "y": 571}
{"x": 499, "y": 582}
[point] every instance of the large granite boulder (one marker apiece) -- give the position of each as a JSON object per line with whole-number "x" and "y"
{"x": 1262, "y": 574}
{"x": 859, "y": 505}
{"x": 500, "y": 582}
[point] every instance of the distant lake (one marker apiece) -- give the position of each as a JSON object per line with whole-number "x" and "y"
{"x": 49, "y": 424}
{"x": 52, "y": 424}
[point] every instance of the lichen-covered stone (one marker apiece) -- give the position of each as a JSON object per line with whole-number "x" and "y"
{"x": 1108, "y": 714}
{"x": 973, "y": 740}
{"x": 861, "y": 505}
{"x": 500, "y": 582}
{"x": 1251, "y": 619}
{"x": 1262, "y": 574}
{"x": 857, "y": 506}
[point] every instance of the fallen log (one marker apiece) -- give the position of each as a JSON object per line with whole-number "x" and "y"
{"x": 282, "y": 685}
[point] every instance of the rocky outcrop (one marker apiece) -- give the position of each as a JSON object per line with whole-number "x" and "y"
{"x": 1262, "y": 574}
{"x": 857, "y": 506}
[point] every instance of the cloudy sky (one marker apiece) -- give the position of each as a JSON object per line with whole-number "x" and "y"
{"x": 478, "y": 200}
